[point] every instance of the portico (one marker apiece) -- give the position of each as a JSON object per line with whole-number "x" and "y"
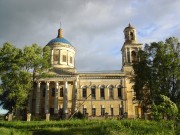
{"x": 49, "y": 91}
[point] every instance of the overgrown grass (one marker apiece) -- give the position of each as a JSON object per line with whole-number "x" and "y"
{"x": 89, "y": 127}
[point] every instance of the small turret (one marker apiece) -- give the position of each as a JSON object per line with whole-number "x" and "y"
{"x": 130, "y": 34}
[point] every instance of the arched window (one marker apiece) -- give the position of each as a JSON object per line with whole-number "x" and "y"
{"x": 133, "y": 56}
{"x": 102, "y": 92}
{"x": 93, "y": 92}
{"x": 131, "y": 36}
{"x": 119, "y": 89}
{"x": 84, "y": 92}
{"x": 111, "y": 92}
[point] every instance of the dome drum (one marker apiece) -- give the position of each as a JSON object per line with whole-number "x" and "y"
{"x": 62, "y": 52}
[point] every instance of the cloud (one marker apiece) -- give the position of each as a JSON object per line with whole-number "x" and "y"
{"x": 95, "y": 28}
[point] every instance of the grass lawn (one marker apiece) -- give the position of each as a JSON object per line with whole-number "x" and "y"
{"x": 89, "y": 127}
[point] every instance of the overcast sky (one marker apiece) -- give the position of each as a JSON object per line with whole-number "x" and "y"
{"x": 94, "y": 27}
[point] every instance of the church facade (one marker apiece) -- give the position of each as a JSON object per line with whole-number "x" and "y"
{"x": 94, "y": 94}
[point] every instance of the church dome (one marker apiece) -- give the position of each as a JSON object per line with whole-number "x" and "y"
{"x": 59, "y": 40}
{"x": 129, "y": 27}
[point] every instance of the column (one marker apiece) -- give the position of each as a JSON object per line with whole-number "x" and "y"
{"x": 65, "y": 98}
{"x": 47, "y": 99}
{"x": 56, "y": 99}
{"x": 75, "y": 97}
{"x": 38, "y": 98}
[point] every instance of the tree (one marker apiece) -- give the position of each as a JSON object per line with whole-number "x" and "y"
{"x": 18, "y": 69}
{"x": 158, "y": 72}
{"x": 164, "y": 107}
{"x": 36, "y": 59}
{"x": 15, "y": 89}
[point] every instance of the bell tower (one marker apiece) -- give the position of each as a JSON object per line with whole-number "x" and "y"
{"x": 130, "y": 49}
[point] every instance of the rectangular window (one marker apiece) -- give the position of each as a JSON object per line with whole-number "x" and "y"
{"x": 53, "y": 92}
{"x": 93, "y": 111}
{"x": 93, "y": 93}
{"x": 71, "y": 60}
{"x": 61, "y": 92}
{"x": 84, "y": 111}
{"x": 84, "y": 92}
{"x": 64, "y": 58}
{"x": 102, "y": 95}
{"x": 112, "y": 111}
{"x": 56, "y": 55}
{"x": 102, "y": 111}
{"x": 119, "y": 92}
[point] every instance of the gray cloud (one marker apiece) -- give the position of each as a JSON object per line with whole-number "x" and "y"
{"x": 94, "y": 27}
